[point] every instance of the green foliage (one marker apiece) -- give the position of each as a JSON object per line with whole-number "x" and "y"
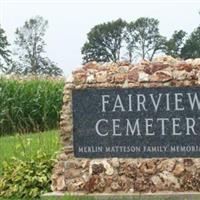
{"x": 31, "y": 49}
{"x": 25, "y": 146}
{"x": 143, "y": 38}
{"x": 104, "y": 42}
{"x": 29, "y": 105}
{"x": 26, "y": 179}
{"x": 4, "y": 52}
{"x": 175, "y": 44}
{"x": 33, "y": 152}
{"x": 191, "y": 48}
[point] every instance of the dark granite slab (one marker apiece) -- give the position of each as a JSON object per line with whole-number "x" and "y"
{"x": 137, "y": 122}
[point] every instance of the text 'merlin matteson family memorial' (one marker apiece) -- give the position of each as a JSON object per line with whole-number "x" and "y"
{"x": 131, "y": 128}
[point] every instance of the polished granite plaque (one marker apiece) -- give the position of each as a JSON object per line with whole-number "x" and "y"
{"x": 136, "y": 122}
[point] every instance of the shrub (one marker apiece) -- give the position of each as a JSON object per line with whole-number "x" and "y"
{"x": 26, "y": 179}
{"x": 29, "y": 105}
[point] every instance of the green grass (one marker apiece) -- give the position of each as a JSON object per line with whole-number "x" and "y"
{"x": 25, "y": 146}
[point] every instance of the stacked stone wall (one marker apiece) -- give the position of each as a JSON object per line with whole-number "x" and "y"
{"x": 125, "y": 174}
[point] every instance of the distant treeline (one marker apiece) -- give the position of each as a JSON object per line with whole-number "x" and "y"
{"x": 139, "y": 39}
{"x": 111, "y": 41}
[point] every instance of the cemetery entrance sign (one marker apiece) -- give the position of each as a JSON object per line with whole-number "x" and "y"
{"x": 136, "y": 122}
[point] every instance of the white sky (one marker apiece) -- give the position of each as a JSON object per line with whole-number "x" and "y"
{"x": 70, "y": 21}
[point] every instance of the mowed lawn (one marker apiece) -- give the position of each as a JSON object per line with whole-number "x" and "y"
{"x": 26, "y": 146}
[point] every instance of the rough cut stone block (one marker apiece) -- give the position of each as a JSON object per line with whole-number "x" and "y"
{"x": 125, "y": 176}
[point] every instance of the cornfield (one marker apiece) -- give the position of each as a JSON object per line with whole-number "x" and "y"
{"x": 29, "y": 104}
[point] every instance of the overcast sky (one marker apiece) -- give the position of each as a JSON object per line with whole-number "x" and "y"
{"x": 70, "y": 21}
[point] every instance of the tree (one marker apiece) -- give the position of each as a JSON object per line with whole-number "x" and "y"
{"x": 143, "y": 38}
{"x": 31, "y": 49}
{"x": 175, "y": 44}
{"x": 130, "y": 41}
{"x": 104, "y": 42}
{"x": 191, "y": 49}
{"x": 4, "y": 51}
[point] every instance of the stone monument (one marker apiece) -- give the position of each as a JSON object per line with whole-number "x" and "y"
{"x": 131, "y": 128}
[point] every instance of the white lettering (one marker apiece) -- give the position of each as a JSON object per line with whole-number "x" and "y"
{"x": 178, "y": 99}
{"x": 115, "y": 125}
{"x": 167, "y": 102}
{"x": 175, "y": 125}
{"x": 104, "y": 101}
{"x": 163, "y": 120}
{"x": 136, "y": 127}
{"x": 130, "y": 102}
{"x": 155, "y": 104}
{"x": 148, "y": 126}
{"x": 118, "y": 104}
{"x": 141, "y": 101}
{"x": 190, "y": 123}
{"x": 97, "y": 127}
{"x": 194, "y": 101}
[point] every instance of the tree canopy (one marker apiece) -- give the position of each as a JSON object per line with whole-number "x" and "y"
{"x": 110, "y": 41}
{"x": 191, "y": 48}
{"x": 107, "y": 41}
{"x": 143, "y": 38}
{"x": 104, "y": 42}
{"x": 175, "y": 44}
{"x": 4, "y": 51}
{"x": 31, "y": 49}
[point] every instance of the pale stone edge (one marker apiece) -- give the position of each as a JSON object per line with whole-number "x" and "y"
{"x": 165, "y": 194}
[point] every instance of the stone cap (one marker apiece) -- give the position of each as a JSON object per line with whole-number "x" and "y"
{"x": 160, "y": 70}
